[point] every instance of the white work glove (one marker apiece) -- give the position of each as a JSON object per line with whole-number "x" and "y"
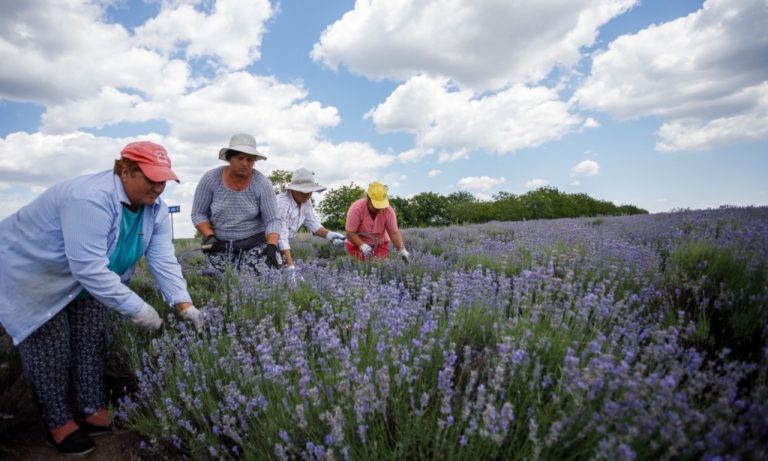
{"x": 147, "y": 318}
{"x": 366, "y": 249}
{"x": 194, "y": 315}
{"x": 404, "y": 254}
{"x": 335, "y": 237}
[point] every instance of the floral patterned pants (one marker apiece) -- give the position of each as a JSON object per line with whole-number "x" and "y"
{"x": 238, "y": 260}
{"x": 71, "y": 345}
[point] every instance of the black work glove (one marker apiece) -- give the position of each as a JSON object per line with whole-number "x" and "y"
{"x": 270, "y": 256}
{"x": 212, "y": 244}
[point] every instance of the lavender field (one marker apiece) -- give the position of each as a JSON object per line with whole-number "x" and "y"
{"x": 642, "y": 337}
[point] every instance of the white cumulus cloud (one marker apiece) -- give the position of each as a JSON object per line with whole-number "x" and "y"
{"x": 471, "y": 71}
{"x": 478, "y": 44}
{"x": 414, "y": 155}
{"x": 585, "y": 168}
{"x": 704, "y": 75}
{"x": 480, "y": 183}
{"x": 230, "y": 33}
{"x": 442, "y": 116}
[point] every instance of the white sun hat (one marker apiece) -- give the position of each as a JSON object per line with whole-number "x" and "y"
{"x": 303, "y": 180}
{"x": 243, "y": 143}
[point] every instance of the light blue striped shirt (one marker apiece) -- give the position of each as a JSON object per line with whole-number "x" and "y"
{"x": 61, "y": 242}
{"x": 235, "y": 215}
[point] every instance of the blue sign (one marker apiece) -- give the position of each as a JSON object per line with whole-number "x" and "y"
{"x": 174, "y": 208}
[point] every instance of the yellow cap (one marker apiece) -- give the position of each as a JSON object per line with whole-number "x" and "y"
{"x": 377, "y": 192}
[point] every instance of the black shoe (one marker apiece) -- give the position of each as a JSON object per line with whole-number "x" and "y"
{"x": 95, "y": 431}
{"x": 76, "y": 443}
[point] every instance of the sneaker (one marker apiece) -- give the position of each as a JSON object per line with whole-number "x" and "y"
{"x": 76, "y": 443}
{"x": 95, "y": 431}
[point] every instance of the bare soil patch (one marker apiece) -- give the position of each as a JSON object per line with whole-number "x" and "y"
{"x": 32, "y": 446}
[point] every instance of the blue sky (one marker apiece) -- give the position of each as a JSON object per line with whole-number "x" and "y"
{"x": 659, "y": 104}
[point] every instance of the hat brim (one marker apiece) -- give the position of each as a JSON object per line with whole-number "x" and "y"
{"x": 305, "y": 187}
{"x": 380, "y": 204}
{"x": 158, "y": 173}
{"x": 241, "y": 149}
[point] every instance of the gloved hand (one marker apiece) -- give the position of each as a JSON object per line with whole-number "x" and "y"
{"x": 270, "y": 256}
{"x": 335, "y": 237}
{"x": 147, "y": 318}
{"x": 194, "y": 315}
{"x": 212, "y": 244}
{"x": 292, "y": 279}
{"x": 366, "y": 249}
{"x": 404, "y": 254}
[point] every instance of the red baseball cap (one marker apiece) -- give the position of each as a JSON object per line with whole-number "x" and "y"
{"x": 152, "y": 159}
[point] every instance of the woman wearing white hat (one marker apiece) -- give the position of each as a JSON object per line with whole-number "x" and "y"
{"x": 235, "y": 209}
{"x": 295, "y": 209}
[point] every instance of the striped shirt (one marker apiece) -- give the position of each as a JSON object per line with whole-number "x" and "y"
{"x": 235, "y": 215}
{"x": 292, "y": 216}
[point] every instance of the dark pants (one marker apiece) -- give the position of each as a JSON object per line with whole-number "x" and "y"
{"x": 72, "y": 344}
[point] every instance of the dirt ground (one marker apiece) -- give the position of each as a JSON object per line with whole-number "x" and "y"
{"x": 32, "y": 446}
{"x": 25, "y": 440}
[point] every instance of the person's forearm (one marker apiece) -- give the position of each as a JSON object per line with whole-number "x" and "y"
{"x": 356, "y": 240}
{"x": 204, "y": 228}
{"x": 397, "y": 240}
{"x": 182, "y": 306}
{"x": 322, "y": 232}
{"x": 272, "y": 238}
{"x": 287, "y": 259}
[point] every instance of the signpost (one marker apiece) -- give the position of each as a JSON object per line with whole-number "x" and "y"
{"x": 171, "y": 210}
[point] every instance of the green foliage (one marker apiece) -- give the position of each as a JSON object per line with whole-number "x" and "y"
{"x": 335, "y": 204}
{"x": 461, "y": 197}
{"x": 406, "y": 216}
{"x": 428, "y": 209}
{"x": 279, "y": 179}
{"x": 724, "y": 298}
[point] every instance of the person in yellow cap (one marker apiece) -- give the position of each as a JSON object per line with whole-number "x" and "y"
{"x": 371, "y": 224}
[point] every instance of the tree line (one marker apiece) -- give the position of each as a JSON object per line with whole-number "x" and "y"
{"x": 431, "y": 209}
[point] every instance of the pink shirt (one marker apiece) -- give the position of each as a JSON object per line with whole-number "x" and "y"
{"x": 359, "y": 220}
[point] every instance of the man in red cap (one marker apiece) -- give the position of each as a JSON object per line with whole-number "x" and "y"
{"x": 67, "y": 256}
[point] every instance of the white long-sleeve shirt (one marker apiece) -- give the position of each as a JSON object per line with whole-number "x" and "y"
{"x": 292, "y": 216}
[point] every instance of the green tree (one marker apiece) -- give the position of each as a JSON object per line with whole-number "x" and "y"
{"x": 333, "y": 208}
{"x": 509, "y": 207}
{"x": 460, "y": 206}
{"x": 460, "y": 197}
{"x": 404, "y": 210}
{"x": 279, "y": 179}
{"x": 431, "y": 209}
{"x": 544, "y": 203}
